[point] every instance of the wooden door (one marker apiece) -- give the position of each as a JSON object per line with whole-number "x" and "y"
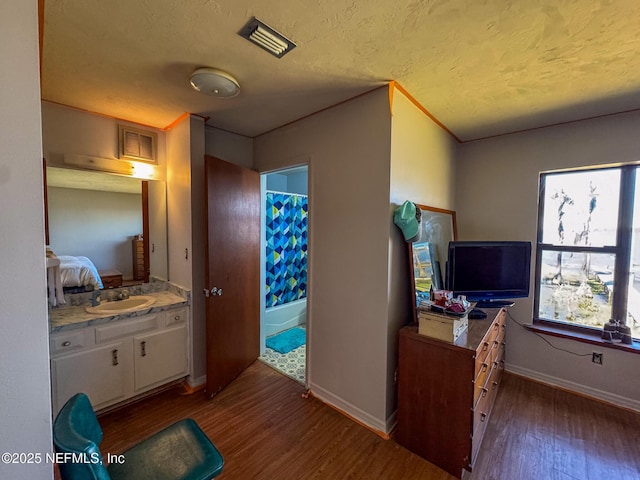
{"x": 232, "y": 271}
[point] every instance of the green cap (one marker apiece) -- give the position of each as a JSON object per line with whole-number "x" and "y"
{"x": 405, "y": 218}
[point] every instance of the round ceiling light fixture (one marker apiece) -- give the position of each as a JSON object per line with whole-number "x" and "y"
{"x": 215, "y": 83}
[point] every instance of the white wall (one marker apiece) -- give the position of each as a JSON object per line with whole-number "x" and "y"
{"x": 422, "y": 170}
{"x": 198, "y": 249}
{"x": 97, "y": 225}
{"x": 348, "y": 150}
{"x": 423, "y": 155}
{"x": 496, "y": 199}
{"x": 296, "y": 182}
{"x": 230, "y": 147}
{"x": 68, "y": 130}
{"x": 158, "y": 255}
{"x": 179, "y": 203}
{"x": 277, "y": 182}
{"x": 25, "y": 398}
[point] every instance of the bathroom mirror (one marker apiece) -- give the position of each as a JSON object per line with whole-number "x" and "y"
{"x": 97, "y": 215}
{"x": 428, "y": 252}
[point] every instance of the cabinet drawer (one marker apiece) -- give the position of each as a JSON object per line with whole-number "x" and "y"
{"x": 177, "y": 316}
{"x": 62, "y": 343}
{"x": 122, "y": 329}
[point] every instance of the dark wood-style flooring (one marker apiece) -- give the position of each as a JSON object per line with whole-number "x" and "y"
{"x": 265, "y": 429}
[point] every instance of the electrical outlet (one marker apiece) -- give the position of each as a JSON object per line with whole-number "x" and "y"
{"x": 597, "y": 358}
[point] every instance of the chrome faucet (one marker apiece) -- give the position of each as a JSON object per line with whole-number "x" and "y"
{"x": 123, "y": 295}
{"x": 95, "y": 298}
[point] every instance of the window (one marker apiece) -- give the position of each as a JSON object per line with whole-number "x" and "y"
{"x": 588, "y": 249}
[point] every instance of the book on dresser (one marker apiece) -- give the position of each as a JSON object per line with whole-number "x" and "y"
{"x": 446, "y": 391}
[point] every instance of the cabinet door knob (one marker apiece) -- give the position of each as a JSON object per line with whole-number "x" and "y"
{"x": 66, "y": 343}
{"x": 176, "y": 318}
{"x": 114, "y": 357}
{"x": 143, "y": 349}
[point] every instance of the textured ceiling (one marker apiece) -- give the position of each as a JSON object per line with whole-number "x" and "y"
{"x": 482, "y": 68}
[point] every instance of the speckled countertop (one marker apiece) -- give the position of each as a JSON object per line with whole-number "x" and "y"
{"x": 74, "y": 315}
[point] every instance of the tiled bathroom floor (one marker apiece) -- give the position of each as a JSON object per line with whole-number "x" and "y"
{"x": 291, "y": 364}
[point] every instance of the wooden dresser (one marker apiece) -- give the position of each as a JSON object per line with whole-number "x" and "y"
{"x": 446, "y": 391}
{"x": 110, "y": 278}
{"x": 137, "y": 249}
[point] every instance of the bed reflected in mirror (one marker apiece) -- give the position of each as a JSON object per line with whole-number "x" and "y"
{"x": 428, "y": 252}
{"x": 106, "y": 218}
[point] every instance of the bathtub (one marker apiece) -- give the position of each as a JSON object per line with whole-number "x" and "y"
{"x": 282, "y": 317}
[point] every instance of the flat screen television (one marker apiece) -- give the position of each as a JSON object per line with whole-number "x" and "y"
{"x": 489, "y": 272}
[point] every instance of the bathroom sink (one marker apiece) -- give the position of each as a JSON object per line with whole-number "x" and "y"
{"x": 130, "y": 304}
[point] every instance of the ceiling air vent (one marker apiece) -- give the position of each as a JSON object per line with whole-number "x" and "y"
{"x": 266, "y": 38}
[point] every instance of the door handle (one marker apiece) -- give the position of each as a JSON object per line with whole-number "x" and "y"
{"x": 213, "y": 291}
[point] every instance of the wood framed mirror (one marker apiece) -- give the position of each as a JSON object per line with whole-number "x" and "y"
{"x": 428, "y": 252}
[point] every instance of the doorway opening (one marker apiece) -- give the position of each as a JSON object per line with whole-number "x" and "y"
{"x": 283, "y": 319}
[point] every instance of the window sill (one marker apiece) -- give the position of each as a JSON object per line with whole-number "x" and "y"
{"x": 592, "y": 339}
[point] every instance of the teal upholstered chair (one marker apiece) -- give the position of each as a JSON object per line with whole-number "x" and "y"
{"x": 180, "y": 451}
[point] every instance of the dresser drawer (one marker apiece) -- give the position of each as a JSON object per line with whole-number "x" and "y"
{"x": 480, "y": 420}
{"x": 480, "y": 382}
{"x": 486, "y": 345}
{"x": 482, "y": 355}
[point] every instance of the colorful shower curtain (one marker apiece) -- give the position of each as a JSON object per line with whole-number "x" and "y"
{"x": 286, "y": 240}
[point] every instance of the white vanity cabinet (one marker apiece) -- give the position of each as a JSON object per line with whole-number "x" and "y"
{"x": 118, "y": 360}
{"x": 157, "y": 359}
{"x": 101, "y": 372}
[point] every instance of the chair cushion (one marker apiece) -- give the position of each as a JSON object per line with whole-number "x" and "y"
{"x": 181, "y": 451}
{"x": 76, "y": 431}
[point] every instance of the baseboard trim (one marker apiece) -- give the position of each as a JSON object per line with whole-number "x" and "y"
{"x": 572, "y": 387}
{"x": 196, "y": 383}
{"x": 347, "y": 409}
{"x": 392, "y": 423}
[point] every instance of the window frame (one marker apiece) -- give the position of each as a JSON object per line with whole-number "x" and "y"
{"x": 622, "y": 250}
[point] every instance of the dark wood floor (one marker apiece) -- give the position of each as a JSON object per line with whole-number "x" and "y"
{"x": 266, "y": 430}
{"x": 539, "y": 432}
